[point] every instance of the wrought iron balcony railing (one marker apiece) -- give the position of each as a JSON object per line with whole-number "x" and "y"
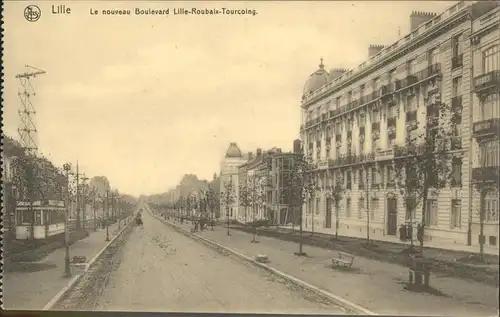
{"x": 488, "y": 80}
{"x": 486, "y": 127}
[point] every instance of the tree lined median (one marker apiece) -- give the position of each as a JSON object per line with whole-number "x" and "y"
{"x": 453, "y": 263}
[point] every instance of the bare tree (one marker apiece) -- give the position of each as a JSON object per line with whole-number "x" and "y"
{"x": 336, "y": 193}
{"x": 36, "y": 179}
{"x": 422, "y": 165}
{"x": 245, "y": 200}
{"x": 299, "y": 189}
{"x": 228, "y": 199}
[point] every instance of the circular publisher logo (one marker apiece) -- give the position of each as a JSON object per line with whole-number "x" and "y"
{"x": 32, "y": 13}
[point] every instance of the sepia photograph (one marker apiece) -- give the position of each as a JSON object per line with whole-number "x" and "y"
{"x": 250, "y": 157}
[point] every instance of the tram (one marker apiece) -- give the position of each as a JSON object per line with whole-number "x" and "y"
{"x": 45, "y": 218}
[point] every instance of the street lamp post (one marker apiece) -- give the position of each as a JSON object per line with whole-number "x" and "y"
{"x": 119, "y": 213}
{"x": 94, "y": 207}
{"x": 107, "y": 215}
{"x": 67, "y": 267}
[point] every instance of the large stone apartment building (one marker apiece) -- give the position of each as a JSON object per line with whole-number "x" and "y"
{"x": 352, "y": 119}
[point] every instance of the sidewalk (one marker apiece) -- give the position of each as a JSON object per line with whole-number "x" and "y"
{"x": 39, "y": 282}
{"x": 375, "y": 285}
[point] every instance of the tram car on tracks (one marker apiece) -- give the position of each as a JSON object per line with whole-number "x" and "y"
{"x": 45, "y": 218}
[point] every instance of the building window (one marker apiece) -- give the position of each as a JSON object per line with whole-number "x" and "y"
{"x": 456, "y": 172}
{"x": 490, "y": 153}
{"x": 376, "y": 84}
{"x": 348, "y": 179}
{"x": 361, "y": 180}
{"x": 373, "y": 208}
{"x": 375, "y": 116}
{"x": 310, "y": 206}
{"x": 433, "y": 56}
{"x": 491, "y": 59}
{"x": 457, "y": 44}
{"x": 361, "y": 207}
{"x": 391, "y": 112}
{"x": 490, "y": 107}
{"x": 375, "y": 177}
{"x": 411, "y": 103}
{"x": 361, "y": 93}
{"x": 316, "y": 211}
{"x": 491, "y": 207}
{"x": 456, "y": 211}
{"x": 391, "y": 77}
{"x": 337, "y": 103}
{"x": 349, "y": 97}
{"x": 391, "y": 176}
{"x": 431, "y": 213}
{"x": 410, "y": 66}
{"x": 457, "y": 86}
{"x": 348, "y": 208}
{"x": 410, "y": 209}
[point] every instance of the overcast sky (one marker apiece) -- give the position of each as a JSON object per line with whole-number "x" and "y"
{"x": 145, "y": 99}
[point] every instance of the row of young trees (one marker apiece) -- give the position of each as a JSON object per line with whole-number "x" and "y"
{"x": 252, "y": 195}
{"x": 36, "y": 178}
{"x": 205, "y": 202}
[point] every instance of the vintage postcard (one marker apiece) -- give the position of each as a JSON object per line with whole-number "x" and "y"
{"x": 289, "y": 157}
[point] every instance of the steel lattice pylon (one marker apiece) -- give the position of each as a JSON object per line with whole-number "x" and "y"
{"x": 27, "y": 113}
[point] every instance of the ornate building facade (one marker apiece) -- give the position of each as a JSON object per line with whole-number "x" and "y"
{"x": 485, "y": 124}
{"x": 352, "y": 119}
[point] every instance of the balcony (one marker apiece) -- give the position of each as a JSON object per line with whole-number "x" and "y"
{"x": 487, "y": 81}
{"x": 457, "y": 61}
{"x": 386, "y": 90}
{"x": 489, "y": 174}
{"x": 408, "y": 81}
{"x": 486, "y": 128}
{"x": 384, "y": 155}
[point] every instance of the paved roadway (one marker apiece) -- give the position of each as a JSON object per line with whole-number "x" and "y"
{"x": 163, "y": 270}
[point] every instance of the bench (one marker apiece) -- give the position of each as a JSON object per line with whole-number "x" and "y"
{"x": 79, "y": 264}
{"x": 344, "y": 259}
{"x": 262, "y": 258}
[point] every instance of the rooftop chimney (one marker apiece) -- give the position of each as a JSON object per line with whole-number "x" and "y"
{"x": 336, "y": 72}
{"x": 250, "y": 155}
{"x": 374, "y": 49}
{"x": 418, "y": 17}
{"x": 259, "y": 152}
{"x": 297, "y": 144}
